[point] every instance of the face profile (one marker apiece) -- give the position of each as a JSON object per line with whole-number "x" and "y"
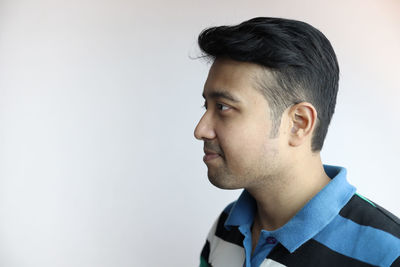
{"x": 236, "y": 127}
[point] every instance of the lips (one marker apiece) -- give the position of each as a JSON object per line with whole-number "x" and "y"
{"x": 210, "y": 155}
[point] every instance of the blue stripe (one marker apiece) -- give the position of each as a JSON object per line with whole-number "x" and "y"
{"x": 361, "y": 242}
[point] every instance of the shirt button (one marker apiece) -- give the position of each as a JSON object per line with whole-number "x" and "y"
{"x": 271, "y": 240}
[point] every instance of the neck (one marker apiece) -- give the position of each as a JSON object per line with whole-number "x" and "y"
{"x": 280, "y": 198}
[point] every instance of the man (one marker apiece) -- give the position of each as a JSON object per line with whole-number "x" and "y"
{"x": 269, "y": 98}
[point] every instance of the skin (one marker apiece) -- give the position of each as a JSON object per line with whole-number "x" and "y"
{"x": 281, "y": 173}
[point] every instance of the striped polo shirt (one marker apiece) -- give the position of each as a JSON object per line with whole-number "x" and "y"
{"x": 337, "y": 227}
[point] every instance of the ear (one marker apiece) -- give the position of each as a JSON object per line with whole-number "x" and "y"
{"x": 303, "y": 118}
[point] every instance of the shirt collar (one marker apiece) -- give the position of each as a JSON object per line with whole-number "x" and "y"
{"x": 310, "y": 220}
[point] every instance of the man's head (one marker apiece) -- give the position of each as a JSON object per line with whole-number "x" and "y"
{"x": 272, "y": 87}
{"x": 300, "y": 58}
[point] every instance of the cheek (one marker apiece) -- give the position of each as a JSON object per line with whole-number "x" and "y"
{"x": 243, "y": 146}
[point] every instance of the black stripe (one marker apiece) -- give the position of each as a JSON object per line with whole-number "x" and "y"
{"x": 233, "y": 235}
{"x": 205, "y": 253}
{"x": 313, "y": 253}
{"x": 396, "y": 263}
{"x": 361, "y": 212}
{"x": 388, "y": 214}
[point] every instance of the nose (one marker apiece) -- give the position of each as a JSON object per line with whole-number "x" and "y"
{"x": 205, "y": 128}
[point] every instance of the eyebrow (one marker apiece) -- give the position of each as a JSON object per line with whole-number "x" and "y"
{"x": 222, "y": 94}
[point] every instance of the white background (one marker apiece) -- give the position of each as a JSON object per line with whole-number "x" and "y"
{"x": 98, "y": 103}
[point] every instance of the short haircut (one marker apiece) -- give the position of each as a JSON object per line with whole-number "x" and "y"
{"x": 299, "y": 57}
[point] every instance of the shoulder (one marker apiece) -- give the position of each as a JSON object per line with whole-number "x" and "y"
{"x": 364, "y": 212}
{"x": 364, "y": 231}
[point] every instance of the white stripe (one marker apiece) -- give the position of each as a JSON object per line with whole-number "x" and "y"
{"x": 271, "y": 263}
{"x": 222, "y": 253}
{"x": 225, "y": 254}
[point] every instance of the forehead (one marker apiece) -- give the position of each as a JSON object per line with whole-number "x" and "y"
{"x": 237, "y": 78}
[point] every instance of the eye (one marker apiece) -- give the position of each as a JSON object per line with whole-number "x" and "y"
{"x": 222, "y": 107}
{"x": 205, "y": 105}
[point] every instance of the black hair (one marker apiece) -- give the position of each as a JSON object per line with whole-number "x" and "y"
{"x": 299, "y": 57}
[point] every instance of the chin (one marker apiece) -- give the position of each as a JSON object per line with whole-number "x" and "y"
{"x": 223, "y": 182}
